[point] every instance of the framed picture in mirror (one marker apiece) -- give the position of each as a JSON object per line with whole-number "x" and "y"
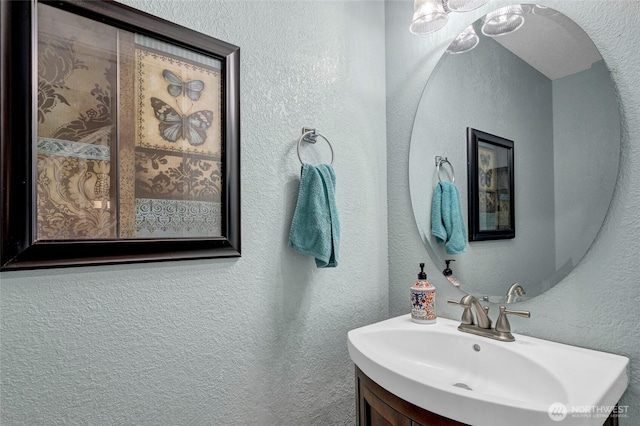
{"x": 490, "y": 186}
{"x": 120, "y": 137}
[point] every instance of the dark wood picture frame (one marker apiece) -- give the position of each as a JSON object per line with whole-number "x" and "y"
{"x": 490, "y": 167}
{"x": 21, "y": 246}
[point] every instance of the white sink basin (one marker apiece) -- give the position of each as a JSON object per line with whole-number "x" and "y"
{"x": 480, "y": 381}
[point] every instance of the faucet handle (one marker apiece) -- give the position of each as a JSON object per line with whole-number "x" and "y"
{"x": 467, "y": 316}
{"x": 502, "y": 323}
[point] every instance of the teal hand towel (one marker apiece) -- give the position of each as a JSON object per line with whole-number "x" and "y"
{"x": 315, "y": 228}
{"x": 446, "y": 218}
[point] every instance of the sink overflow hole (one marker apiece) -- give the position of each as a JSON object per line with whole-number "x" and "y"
{"x": 476, "y": 347}
{"x": 463, "y": 386}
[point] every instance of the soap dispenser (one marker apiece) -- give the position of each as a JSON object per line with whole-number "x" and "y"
{"x": 423, "y": 300}
{"x": 449, "y": 273}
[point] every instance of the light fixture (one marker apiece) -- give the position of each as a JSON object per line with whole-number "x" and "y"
{"x": 428, "y": 16}
{"x": 503, "y": 21}
{"x": 537, "y": 9}
{"x": 432, "y": 15}
{"x": 462, "y": 5}
{"x": 467, "y": 40}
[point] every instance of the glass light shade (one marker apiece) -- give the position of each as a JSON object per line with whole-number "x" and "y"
{"x": 542, "y": 10}
{"x": 428, "y": 16}
{"x": 503, "y": 21}
{"x": 463, "y": 5}
{"x": 466, "y": 40}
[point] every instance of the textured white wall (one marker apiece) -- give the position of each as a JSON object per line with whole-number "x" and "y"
{"x": 582, "y": 107}
{"x": 596, "y": 306}
{"x": 259, "y": 340}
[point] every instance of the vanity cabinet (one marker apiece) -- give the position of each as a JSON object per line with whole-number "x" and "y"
{"x": 378, "y": 407}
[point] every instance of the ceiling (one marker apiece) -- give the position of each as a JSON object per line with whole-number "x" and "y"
{"x": 551, "y": 43}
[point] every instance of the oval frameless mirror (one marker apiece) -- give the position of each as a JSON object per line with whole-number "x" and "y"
{"x": 545, "y": 87}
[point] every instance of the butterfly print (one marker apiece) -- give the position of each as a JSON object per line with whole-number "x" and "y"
{"x": 176, "y": 86}
{"x": 485, "y": 177}
{"x": 174, "y": 126}
{"x": 484, "y": 159}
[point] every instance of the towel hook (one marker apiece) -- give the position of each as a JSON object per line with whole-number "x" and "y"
{"x": 440, "y": 161}
{"x": 311, "y": 135}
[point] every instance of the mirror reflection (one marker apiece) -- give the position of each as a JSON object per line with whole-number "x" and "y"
{"x": 545, "y": 87}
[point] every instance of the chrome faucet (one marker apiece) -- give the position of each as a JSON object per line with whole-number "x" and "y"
{"x": 502, "y": 330}
{"x": 514, "y": 293}
{"x": 481, "y": 315}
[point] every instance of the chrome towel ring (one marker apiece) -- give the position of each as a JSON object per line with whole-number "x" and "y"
{"x": 311, "y": 135}
{"x": 440, "y": 161}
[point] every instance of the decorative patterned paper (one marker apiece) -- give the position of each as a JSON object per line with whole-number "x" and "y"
{"x": 126, "y": 139}
{"x": 176, "y": 218}
{"x": 486, "y": 169}
{"x": 178, "y": 141}
{"x": 190, "y": 90}
{"x": 177, "y": 177}
{"x": 73, "y": 149}
{"x": 73, "y": 198}
{"x": 76, "y": 74}
{"x": 129, "y": 134}
{"x": 504, "y": 198}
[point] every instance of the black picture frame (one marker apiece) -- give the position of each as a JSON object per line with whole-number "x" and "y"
{"x": 21, "y": 248}
{"x": 491, "y": 200}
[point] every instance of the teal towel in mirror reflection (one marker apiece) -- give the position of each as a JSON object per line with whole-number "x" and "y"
{"x": 446, "y": 218}
{"x": 315, "y": 228}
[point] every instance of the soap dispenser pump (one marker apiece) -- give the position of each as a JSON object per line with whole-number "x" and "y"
{"x": 449, "y": 273}
{"x": 423, "y": 300}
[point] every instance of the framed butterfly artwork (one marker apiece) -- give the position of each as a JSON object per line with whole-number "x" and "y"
{"x": 490, "y": 179}
{"x": 120, "y": 137}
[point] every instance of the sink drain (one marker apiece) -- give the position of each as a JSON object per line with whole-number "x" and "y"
{"x": 463, "y": 386}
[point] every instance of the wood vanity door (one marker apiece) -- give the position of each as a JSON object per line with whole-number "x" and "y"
{"x": 378, "y": 407}
{"x": 377, "y": 413}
